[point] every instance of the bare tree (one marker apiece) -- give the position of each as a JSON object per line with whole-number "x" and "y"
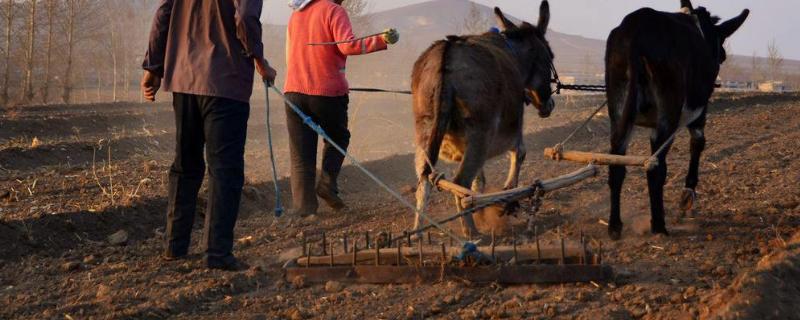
{"x": 358, "y": 12}
{"x": 730, "y": 71}
{"x": 9, "y": 17}
{"x": 755, "y": 68}
{"x": 775, "y": 61}
{"x": 81, "y": 24}
{"x": 72, "y": 9}
{"x": 476, "y": 21}
{"x": 51, "y": 13}
{"x": 27, "y": 87}
{"x": 110, "y": 7}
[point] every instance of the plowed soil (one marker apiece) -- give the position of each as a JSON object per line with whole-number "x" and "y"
{"x": 71, "y": 176}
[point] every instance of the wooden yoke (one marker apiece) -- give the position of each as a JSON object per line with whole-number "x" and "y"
{"x": 596, "y": 158}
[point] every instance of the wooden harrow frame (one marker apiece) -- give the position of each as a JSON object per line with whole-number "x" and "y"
{"x": 388, "y": 260}
{"x": 409, "y": 262}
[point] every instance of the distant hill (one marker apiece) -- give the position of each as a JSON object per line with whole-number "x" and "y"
{"x": 423, "y": 23}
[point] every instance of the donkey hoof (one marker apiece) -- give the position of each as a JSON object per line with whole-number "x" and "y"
{"x": 615, "y": 232}
{"x": 659, "y": 230}
{"x": 688, "y": 200}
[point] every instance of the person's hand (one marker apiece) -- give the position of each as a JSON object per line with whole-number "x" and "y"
{"x": 267, "y": 73}
{"x": 391, "y": 36}
{"x": 151, "y": 83}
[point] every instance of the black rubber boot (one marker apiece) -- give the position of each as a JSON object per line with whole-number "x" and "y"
{"x": 328, "y": 190}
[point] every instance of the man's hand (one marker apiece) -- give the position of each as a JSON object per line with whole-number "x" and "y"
{"x": 267, "y": 73}
{"x": 391, "y": 36}
{"x": 150, "y": 85}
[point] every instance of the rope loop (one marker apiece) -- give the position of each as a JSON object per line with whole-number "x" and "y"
{"x": 278, "y": 205}
{"x": 434, "y": 178}
{"x": 651, "y": 163}
{"x": 558, "y": 152}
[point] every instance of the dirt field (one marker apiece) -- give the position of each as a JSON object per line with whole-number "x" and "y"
{"x": 61, "y": 198}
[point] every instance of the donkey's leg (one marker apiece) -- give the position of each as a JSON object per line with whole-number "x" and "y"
{"x": 620, "y": 137}
{"x": 471, "y": 165}
{"x": 624, "y": 103}
{"x": 479, "y": 184}
{"x": 423, "y": 187}
{"x": 516, "y": 158}
{"x": 658, "y": 176}
{"x": 696, "y": 145}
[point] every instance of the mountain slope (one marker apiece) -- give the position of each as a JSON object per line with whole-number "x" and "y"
{"x": 423, "y": 23}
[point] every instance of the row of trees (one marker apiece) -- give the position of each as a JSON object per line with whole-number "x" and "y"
{"x": 68, "y": 51}
{"x": 758, "y": 69}
{"x": 56, "y": 50}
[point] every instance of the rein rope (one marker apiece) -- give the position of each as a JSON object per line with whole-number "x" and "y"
{"x": 574, "y": 87}
{"x": 278, "y": 206}
{"x": 380, "y": 90}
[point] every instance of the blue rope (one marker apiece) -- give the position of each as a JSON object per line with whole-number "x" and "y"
{"x": 470, "y": 252}
{"x": 278, "y": 206}
{"x": 311, "y": 124}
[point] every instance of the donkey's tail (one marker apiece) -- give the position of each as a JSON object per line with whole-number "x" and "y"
{"x": 443, "y": 97}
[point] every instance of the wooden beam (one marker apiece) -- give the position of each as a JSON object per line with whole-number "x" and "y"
{"x": 549, "y": 253}
{"x": 596, "y": 158}
{"x": 569, "y": 179}
{"x": 548, "y": 185}
{"x": 503, "y": 274}
{"x": 453, "y": 188}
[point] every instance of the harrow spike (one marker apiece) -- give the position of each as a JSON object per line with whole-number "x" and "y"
{"x": 324, "y": 243}
{"x": 493, "y": 244}
{"x": 421, "y": 258}
{"x": 331, "y": 255}
{"x": 305, "y": 245}
{"x": 514, "y": 244}
{"x": 584, "y": 256}
{"x": 399, "y": 254}
{"x": 538, "y": 247}
{"x": 562, "y": 260}
{"x": 377, "y": 255}
{"x": 355, "y": 252}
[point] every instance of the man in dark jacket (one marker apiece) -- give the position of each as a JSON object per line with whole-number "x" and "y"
{"x": 204, "y": 52}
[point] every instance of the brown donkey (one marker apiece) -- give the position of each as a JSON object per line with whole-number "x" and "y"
{"x": 469, "y": 97}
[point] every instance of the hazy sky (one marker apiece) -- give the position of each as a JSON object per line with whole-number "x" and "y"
{"x": 769, "y": 19}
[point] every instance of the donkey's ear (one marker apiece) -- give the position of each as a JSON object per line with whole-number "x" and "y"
{"x": 727, "y": 28}
{"x": 504, "y": 23}
{"x": 544, "y": 16}
{"x": 686, "y": 5}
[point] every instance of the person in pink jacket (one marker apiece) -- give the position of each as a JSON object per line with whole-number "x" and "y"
{"x": 316, "y": 83}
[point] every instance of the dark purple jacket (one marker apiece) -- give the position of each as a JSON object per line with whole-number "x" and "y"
{"x": 206, "y": 47}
